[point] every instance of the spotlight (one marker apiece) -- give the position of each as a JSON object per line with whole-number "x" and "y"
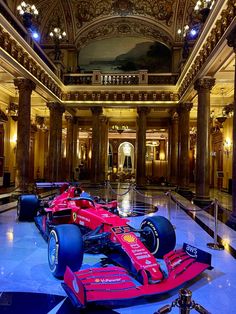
{"x": 193, "y": 32}
{"x": 35, "y": 35}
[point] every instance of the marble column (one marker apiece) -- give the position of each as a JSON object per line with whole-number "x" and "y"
{"x": 203, "y": 87}
{"x": 69, "y": 148}
{"x": 75, "y": 135}
{"x": 25, "y": 87}
{"x": 55, "y": 141}
{"x": 141, "y": 146}
{"x": 184, "y": 144}
{"x": 174, "y": 148}
{"x": 96, "y": 144}
{"x": 231, "y": 40}
{"x": 104, "y": 148}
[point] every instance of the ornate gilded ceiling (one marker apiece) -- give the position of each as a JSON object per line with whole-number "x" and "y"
{"x": 88, "y": 20}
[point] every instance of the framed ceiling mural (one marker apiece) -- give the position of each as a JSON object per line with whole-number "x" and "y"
{"x": 129, "y": 54}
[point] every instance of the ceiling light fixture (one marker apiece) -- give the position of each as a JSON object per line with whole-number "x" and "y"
{"x": 57, "y": 34}
{"x": 120, "y": 128}
{"x": 28, "y": 11}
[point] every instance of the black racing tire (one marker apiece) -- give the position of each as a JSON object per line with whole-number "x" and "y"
{"x": 27, "y": 207}
{"x": 65, "y": 248}
{"x": 160, "y": 237}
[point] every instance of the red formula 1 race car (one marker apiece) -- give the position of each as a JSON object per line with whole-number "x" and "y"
{"x": 74, "y": 223}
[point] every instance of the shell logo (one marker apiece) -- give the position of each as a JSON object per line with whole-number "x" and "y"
{"x": 129, "y": 238}
{"x": 74, "y": 215}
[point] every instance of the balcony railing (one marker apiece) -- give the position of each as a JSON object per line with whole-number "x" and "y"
{"x": 140, "y": 78}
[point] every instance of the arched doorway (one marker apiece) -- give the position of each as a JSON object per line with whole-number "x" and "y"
{"x": 126, "y": 160}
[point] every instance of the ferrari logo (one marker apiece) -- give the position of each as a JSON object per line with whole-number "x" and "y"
{"x": 74, "y": 216}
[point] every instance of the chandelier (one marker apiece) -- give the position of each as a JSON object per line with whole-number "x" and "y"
{"x": 120, "y": 128}
{"x": 204, "y": 7}
{"x": 153, "y": 143}
{"x": 27, "y": 11}
{"x": 57, "y": 33}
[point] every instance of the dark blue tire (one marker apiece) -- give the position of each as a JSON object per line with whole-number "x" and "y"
{"x": 160, "y": 235}
{"x": 65, "y": 248}
{"x": 27, "y": 207}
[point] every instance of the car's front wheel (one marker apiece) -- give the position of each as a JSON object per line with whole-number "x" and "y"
{"x": 65, "y": 248}
{"x": 158, "y": 235}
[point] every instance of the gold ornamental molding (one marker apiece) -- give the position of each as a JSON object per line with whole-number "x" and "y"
{"x": 112, "y": 98}
{"x": 228, "y": 15}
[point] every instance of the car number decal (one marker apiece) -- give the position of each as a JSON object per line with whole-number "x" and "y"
{"x": 122, "y": 229}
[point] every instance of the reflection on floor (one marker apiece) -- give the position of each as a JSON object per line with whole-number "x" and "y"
{"x": 26, "y": 285}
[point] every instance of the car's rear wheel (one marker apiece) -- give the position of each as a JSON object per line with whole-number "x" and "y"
{"x": 27, "y": 207}
{"x": 65, "y": 248}
{"x": 159, "y": 235}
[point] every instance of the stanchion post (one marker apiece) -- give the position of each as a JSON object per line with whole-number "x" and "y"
{"x": 132, "y": 195}
{"x": 169, "y": 203}
{"x": 215, "y": 245}
{"x": 107, "y": 191}
{"x": 184, "y": 303}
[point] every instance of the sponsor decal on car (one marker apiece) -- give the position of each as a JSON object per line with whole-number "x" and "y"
{"x": 129, "y": 238}
{"x": 83, "y": 218}
{"x": 192, "y": 251}
{"x": 106, "y": 280}
{"x": 75, "y": 285}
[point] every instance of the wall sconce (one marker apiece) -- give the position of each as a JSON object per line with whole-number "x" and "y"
{"x": 228, "y": 111}
{"x": 40, "y": 123}
{"x": 12, "y": 111}
{"x": 227, "y": 146}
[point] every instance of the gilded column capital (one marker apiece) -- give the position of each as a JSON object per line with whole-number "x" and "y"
{"x": 173, "y": 114}
{"x": 231, "y": 39}
{"x": 69, "y": 118}
{"x": 96, "y": 111}
{"x": 204, "y": 83}
{"x": 56, "y": 106}
{"x": 143, "y": 110}
{"x": 103, "y": 119}
{"x": 184, "y": 107}
{"x": 24, "y": 84}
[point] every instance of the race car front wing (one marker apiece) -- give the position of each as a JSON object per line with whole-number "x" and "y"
{"x": 114, "y": 283}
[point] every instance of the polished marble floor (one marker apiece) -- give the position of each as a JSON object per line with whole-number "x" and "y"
{"x": 27, "y": 286}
